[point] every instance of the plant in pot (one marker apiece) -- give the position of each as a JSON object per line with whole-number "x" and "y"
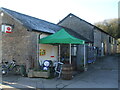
{"x": 39, "y": 73}
{"x": 81, "y": 68}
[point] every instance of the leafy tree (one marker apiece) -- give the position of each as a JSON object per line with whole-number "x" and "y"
{"x": 111, "y": 26}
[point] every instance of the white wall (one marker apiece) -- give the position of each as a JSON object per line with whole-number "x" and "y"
{"x": 51, "y": 50}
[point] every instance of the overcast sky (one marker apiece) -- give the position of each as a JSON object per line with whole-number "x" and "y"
{"x": 55, "y": 10}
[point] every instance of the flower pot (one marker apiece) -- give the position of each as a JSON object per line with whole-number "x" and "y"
{"x": 44, "y": 74}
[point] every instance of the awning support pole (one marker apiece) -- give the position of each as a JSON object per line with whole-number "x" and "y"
{"x": 84, "y": 57}
{"x": 70, "y": 53}
{"x": 59, "y": 52}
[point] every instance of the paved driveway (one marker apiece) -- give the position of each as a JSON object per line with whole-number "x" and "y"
{"x": 102, "y": 74}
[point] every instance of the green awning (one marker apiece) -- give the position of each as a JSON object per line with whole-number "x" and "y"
{"x": 61, "y": 37}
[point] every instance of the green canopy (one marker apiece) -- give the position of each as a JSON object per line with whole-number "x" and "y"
{"x": 61, "y": 37}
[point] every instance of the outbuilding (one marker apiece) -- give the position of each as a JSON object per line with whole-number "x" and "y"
{"x": 22, "y": 43}
{"x": 105, "y": 43}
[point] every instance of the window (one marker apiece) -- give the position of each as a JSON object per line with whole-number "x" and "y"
{"x": 110, "y": 41}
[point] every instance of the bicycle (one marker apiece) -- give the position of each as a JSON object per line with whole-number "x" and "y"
{"x": 7, "y": 67}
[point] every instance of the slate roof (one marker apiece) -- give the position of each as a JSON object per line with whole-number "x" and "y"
{"x": 39, "y": 25}
{"x": 74, "y": 34}
{"x": 33, "y": 23}
{"x": 84, "y": 21}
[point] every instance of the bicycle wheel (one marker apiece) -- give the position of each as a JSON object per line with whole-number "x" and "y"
{"x": 16, "y": 69}
{"x": 4, "y": 71}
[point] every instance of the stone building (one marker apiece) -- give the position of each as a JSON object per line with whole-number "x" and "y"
{"x": 105, "y": 43}
{"x": 82, "y": 29}
{"x": 23, "y": 43}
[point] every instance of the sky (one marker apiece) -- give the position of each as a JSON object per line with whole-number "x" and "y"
{"x": 55, "y": 10}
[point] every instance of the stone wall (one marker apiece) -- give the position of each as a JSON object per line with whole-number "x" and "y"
{"x": 101, "y": 37}
{"x": 97, "y": 38}
{"x": 79, "y": 26}
{"x": 80, "y": 55}
{"x": 105, "y": 40}
{"x": 20, "y": 44}
{"x": 88, "y": 31}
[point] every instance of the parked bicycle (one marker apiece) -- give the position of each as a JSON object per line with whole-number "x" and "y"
{"x": 7, "y": 67}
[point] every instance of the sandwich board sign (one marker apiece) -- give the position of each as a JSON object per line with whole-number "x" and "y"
{"x": 6, "y": 28}
{"x": 58, "y": 68}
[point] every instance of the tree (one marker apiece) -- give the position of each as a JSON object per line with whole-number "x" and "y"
{"x": 111, "y": 26}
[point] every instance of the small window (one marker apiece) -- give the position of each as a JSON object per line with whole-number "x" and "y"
{"x": 110, "y": 41}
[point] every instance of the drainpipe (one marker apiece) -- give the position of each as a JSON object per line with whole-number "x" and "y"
{"x": 85, "y": 68}
{"x": 38, "y": 38}
{"x": 70, "y": 54}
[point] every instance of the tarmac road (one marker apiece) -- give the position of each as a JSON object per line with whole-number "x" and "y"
{"x": 102, "y": 74}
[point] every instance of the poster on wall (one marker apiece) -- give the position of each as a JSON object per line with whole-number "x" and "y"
{"x": 42, "y": 52}
{"x": 6, "y": 29}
